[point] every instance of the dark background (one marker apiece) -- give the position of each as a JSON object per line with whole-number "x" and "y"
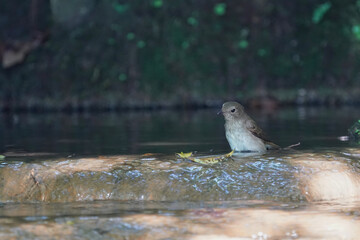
{"x": 109, "y": 54}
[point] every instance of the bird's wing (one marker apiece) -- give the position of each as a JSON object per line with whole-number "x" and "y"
{"x": 255, "y": 130}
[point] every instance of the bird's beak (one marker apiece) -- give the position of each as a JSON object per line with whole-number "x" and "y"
{"x": 219, "y": 112}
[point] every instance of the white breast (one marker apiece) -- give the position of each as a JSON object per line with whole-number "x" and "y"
{"x": 241, "y": 139}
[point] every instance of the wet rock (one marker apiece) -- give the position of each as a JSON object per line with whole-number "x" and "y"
{"x": 128, "y": 178}
{"x": 329, "y": 176}
{"x": 279, "y": 176}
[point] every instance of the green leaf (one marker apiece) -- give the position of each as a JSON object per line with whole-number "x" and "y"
{"x": 262, "y": 52}
{"x": 130, "y": 36}
{"x": 2, "y": 157}
{"x": 141, "y": 44}
{"x": 111, "y": 41}
{"x": 220, "y": 9}
{"x": 356, "y": 31}
{"x": 122, "y": 77}
{"x": 320, "y": 11}
{"x": 192, "y": 21}
{"x": 120, "y": 8}
{"x": 157, "y": 3}
{"x": 185, "y": 45}
{"x": 243, "y": 44}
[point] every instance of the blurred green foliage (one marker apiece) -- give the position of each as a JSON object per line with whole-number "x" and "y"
{"x": 176, "y": 50}
{"x": 220, "y": 9}
{"x": 320, "y": 11}
{"x": 354, "y": 131}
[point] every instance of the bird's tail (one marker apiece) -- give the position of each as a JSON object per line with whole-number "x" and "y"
{"x": 271, "y": 146}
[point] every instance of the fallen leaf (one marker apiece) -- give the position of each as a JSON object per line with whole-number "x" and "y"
{"x": 206, "y": 159}
{"x": 184, "y": 155}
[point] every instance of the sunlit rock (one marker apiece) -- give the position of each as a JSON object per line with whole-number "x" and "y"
{"x": 327, "y": 177}
{"x": 278, "y": 176}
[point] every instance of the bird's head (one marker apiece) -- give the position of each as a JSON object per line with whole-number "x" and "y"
{"x": 232, "y": 110}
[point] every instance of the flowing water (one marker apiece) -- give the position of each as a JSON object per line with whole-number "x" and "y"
{"x": 116, "y": 176}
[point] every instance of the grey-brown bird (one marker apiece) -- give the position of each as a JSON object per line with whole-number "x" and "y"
{"x": 242, "y": 133}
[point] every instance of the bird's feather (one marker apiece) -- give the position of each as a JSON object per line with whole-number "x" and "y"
{"x": 258, "y": 132}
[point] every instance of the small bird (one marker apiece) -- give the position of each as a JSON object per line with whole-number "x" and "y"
{"x": 241, "y": 131}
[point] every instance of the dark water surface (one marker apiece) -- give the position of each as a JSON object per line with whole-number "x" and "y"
{"x": 115, "y": 176}
{"x": 165, "y": 131}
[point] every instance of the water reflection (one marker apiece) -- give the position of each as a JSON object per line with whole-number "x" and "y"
{"x": 168, "y": 220}
{"x": 163, "y": 131}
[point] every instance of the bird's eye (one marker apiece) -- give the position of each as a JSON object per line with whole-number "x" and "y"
{"x": 233, "y": 110}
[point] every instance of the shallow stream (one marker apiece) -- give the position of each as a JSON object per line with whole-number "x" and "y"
{"x": 116, "y": 176}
